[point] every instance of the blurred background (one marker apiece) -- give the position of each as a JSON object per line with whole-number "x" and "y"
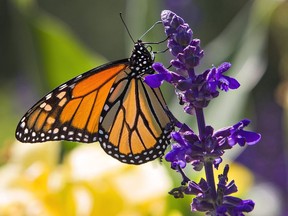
{"x": 43, "y": 43}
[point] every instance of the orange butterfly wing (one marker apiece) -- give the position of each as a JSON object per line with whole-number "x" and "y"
{"x": 134, "y": 126}
{"x": 71, "y": 111}
{"x": 110, "y": 104}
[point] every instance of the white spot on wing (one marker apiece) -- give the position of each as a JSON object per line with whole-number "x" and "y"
{"x": 62, "y": 87}
{"x": 43, "y": 105}
{"x": 48, "y": 96}
{"x": 106, "y": 107}
{"x": 22, "y": 125}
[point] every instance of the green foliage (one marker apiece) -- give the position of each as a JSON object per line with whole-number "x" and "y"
{"x": 62, "y": 56}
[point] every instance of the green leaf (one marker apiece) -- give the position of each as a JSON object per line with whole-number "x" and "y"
{"x": 62, "y": 55}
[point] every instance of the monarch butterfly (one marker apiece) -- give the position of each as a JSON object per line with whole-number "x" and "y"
{"x": 110, "y": 104}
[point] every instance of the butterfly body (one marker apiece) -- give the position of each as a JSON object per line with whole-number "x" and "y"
{"x": 110, "y": 104}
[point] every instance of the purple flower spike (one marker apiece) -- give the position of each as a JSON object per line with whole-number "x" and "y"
{"x": 199, "y": 89}
{"x": 203, "y": 150}
{"x": 180, "y": 37}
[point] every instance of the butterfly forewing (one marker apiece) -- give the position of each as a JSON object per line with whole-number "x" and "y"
{"x": 71, "y": 111}
{"x": 110, "y": 104}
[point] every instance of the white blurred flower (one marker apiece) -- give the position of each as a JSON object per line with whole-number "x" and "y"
{"x": 88, "y": 182}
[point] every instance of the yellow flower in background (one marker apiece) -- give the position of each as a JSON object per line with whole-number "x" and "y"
{"x": 116, "y": 188}
{"x": 23, "y": 179}
{"x": 88, "y": 182}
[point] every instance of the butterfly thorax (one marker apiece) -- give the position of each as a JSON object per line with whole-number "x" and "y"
{"x": 141, "y": 60}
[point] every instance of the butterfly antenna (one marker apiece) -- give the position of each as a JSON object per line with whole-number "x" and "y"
{"x": 161, "y": 51}
{"x": 126, "y": 27}
{"x": 158, "y": 22}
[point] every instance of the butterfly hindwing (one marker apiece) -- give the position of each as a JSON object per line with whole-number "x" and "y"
{"x": 134, "y": 127}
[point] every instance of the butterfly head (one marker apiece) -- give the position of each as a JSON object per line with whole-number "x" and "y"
{"x": 141, "y": 59}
